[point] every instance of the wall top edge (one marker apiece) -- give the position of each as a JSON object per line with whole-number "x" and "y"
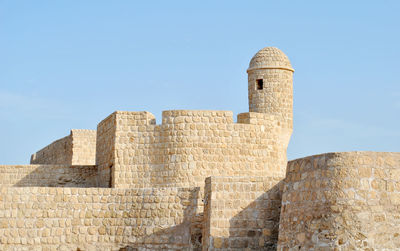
{"x": 97, "y": 190}
{"x": 47, "y": 165}
{"x": 83, "y": 130}
{"x": 347, "y": 154}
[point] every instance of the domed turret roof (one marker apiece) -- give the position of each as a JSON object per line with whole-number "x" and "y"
{"x": 270, "y": 58}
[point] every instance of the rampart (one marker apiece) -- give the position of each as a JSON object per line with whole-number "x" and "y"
{"x": 343, "y": 201}
{"x": 78, "y": 148}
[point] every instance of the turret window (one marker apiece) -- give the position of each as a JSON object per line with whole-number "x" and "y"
{"x": 260, "y": 84}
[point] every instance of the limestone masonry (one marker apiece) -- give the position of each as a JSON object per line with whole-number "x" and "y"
{"x": 200, "y": 181}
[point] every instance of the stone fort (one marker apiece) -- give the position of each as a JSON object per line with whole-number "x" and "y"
{"x": 200, "y": 181}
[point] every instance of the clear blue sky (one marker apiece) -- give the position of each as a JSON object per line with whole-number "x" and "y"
{"x": 69, "y": 64}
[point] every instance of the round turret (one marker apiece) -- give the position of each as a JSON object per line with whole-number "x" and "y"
{"x": 270, "y": 83}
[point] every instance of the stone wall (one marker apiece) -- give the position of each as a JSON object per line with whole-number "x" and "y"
{"x": 241, "y": 213}
{"x": 342, "y": 201}
{"x": 188, "y": 147}
{"x": 83, "y": 147}
{"x": 57, "y": 153}
{"x": 42, "y": 218}
{"x": 48, "y": 176}
{"x": 105, "y": 149}
{"x": 78, "y": 148}
{"x": 119, "y": 140}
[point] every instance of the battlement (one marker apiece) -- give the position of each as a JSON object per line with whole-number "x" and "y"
{"x": 196, "y": 116}
{"x": 188, "y": 146}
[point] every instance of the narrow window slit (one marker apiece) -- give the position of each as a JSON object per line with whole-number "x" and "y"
{"x": 260, "y": 84}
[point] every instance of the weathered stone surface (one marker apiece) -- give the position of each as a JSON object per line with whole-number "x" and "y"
{"x": 48, "y": 175}
{"x": 342, "y": 201}
{"x": 78, "y": 148}
{"x": 200, "y": 181}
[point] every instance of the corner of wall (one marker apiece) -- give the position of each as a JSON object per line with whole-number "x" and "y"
{"x": 105, "y": 149}
{"x": 114, "y": 134}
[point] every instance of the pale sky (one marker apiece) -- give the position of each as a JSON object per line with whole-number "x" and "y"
{"x": 69, "y": 64}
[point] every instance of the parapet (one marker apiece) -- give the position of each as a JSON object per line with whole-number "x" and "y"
{"x": 189, "y": 145}
{"x": 256, "y": 118}
{"x": 196, "y": 116}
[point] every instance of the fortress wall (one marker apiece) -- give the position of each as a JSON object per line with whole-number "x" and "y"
{"x": 279, "y": 134}
{"x": 48, "y": 176}
{"x": 59, "y": 152}
{"x": 241, "y": 212}
{"x": 346, "y": 201}
{"x": 192, "y": 145}
{"x": 78, "y": 148}
{"x": 208, "y": 143}
{"x": 42, "y": 218}
{"x": 195, "y": 142}
{"x": 83, "y": 147}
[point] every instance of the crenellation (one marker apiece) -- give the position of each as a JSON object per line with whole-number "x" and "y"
{"x": 172, "y": 153}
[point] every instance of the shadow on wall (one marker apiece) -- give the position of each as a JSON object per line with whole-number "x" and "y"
{"x": 184, "y": 236}
{"x": 59, "y": 176}
{"x": 257, "y": 226}
{"x": 253, "y": 228}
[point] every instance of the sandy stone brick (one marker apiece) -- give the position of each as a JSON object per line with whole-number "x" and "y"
{"x": 198, "y": 180}
{"x": 364, "y": 203}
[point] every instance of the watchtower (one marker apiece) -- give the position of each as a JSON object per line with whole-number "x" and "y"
{"x": 270, "y": 83}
